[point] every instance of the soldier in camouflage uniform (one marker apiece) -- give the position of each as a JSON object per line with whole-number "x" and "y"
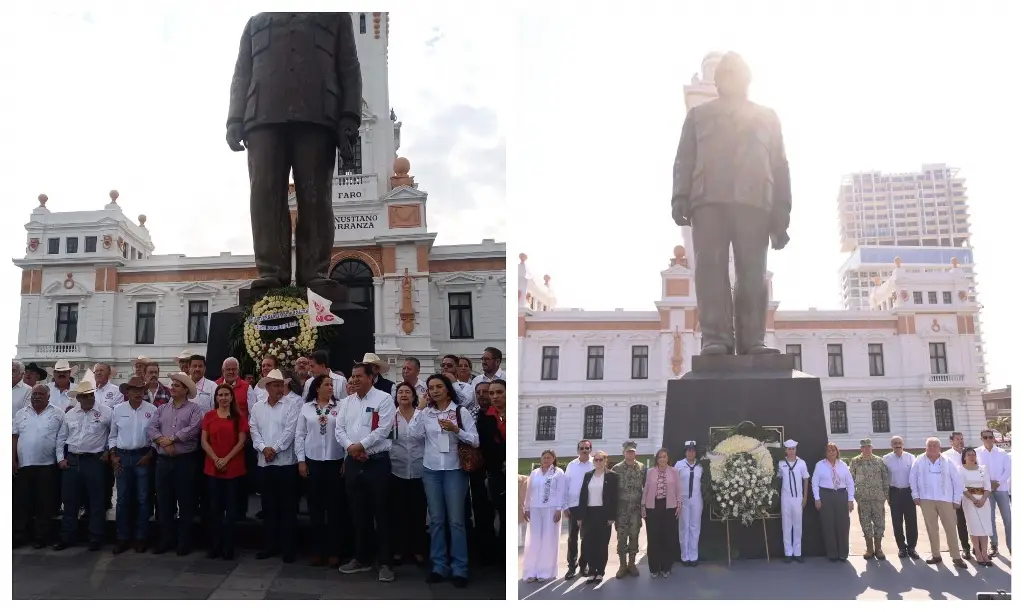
{"x": 871, "y": 479}
{"x": 627, "y": 526}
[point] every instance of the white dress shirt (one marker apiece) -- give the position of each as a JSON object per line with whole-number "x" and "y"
{"x": 274, "y": 427}
{"x": 954, "y": 455}
{"x": 485, "y": 378}
{"x": 60, "y": 398}
{"x": 574, "y": 473}
{"x": 685, "y": 468}
{"x": 595, "y": 491}
{"x": 20, "y": 395}
{"x": 338, "y": 381}
{"x": 128, "y": 426}
{"x": 406, "y": 450}
{"x": 546, "y": 489}
{"x": 355, "y": 421}
{"x": 793, "y": 476}
{"x": 937, "y": 480}
{"x": 87, "y": 432}
{"x": 204, "y": 394}
{"x": 441, "y": 448}
{"x": 255, "y": 395}
{"x": 109, "y": 395}
{"x": 997, "y": 464}
{"x": 899, "y": 469}
{"x": 466, "y": 394}
{"x": 39, "y": 436}
{"x": 823, "y": 478}
{"x": 314, "y": 442}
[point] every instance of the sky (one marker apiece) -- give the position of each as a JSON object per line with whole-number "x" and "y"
{"x": 865, "y": 88}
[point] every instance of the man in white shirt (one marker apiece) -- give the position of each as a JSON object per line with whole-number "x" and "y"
{"x": 20, "y": 391}
{"x": 107, "y": 394}
{"x": 256, "y": 394}
{"x": 184, "y": 359}
{"x": 363, "y": 428}
{"x": 204, "y": 386}
{"x": 795, "y": 479}
{"x": 491, "y": 365}
{"x": 132, "y": 457}
{"x": 37, "y": 443}
{"x": 464, "y": 391}
{"x": 574, "y": 473}
{"x": 411, "y": 376}
{"x": 319, "y": 367}
{"x": 87, "y": 431}
{"x": 61, "y": 385}
{"x": 997, "y": 464}
{"x": 272, "y": 424}
{"x": 955, "y": 456}
{"x": 902, "y": 510}
{"x": 937, "y": 489}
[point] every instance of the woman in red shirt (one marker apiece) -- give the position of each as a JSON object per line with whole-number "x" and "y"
{"x": 224, "y": 435}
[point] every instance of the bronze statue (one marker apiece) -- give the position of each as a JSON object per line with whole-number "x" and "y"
{"x": 731, "y": 184}
{"x": 296, "y": 99}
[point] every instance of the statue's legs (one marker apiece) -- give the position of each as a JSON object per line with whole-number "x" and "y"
{"x": 750, "y": 249}
{"x": 313, "y": 151}
{"x": 712, "y": 224}
{"x": 268, "y": 205}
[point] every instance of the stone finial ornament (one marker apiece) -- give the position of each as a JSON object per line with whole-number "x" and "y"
{"x": 142, "y": 220}
{"x": 401, "y": 177}
{"x": 42, "y": 200}
{"x": 547, "y": 280}
{"x": 679, "y": 256}
{"x": 114, "y": 195}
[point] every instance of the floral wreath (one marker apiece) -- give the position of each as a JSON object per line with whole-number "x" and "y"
{"x": 263, "y": 313}
{"x": 744, "y": 489}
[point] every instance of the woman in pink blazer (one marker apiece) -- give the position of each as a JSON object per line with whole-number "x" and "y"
{"x": 663, "y": 498}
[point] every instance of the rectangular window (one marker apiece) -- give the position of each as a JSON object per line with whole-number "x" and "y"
{"x": 876, "y": 361}
{"x": 640, "y": 354}
{"x": 595, "y": 363}
{"x": 67, "y": 323}
{"x": 835, "y": 360}
{"x": 133, "y": 253}
{"x": 72, "y": 244}
{"x": 797, "y": 351}
{"x": 90, "y": 244}
{"x": 198, "y": 321}
{"x": 145, "y": 323}
{"x": 549, "y": 363}
{"x": 52, "y": 246}
{"x": 937, "y": 356}
{"x": 933, "y": 297}
{"x": 918, "y": 297}
{"x": 947, "y": 297}
{"x": 460, "y": 315}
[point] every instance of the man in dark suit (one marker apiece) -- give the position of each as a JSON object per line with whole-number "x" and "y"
{"x": 296, "y": 98}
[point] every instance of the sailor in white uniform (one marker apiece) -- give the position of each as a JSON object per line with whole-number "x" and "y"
{"x": 795, "y": 480}
{"x": 690, "y": 473}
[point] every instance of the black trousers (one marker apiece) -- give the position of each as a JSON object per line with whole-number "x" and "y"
{"x": 222, "y": 512}
{"x": 662, "y": 532}
{"x": 408, "y": 518}
{"x": 961, "y": 530}
{"x": 482, "y": 536}
{"x": 309, "y": 151}
{"x": 835, "y": 522}
{"x": 84, "y": 484}
{"x": 175, "y": 491}
{"x": 327, "y": 512}
{"x": 597, "y": 533}
{"x": 277, "y": 494}
{"x": 496, "y": 486}
{"x": 903, "y": 511}
{"x": 34, "y": 502}
{"x": 250, "y": 482}
{"x": 366, "y": 485}
{"x": 573, "y": 554}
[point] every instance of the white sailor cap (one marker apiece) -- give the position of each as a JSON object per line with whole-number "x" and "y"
{"x": 789, "y": 443}
{"x": 691, "y": 444}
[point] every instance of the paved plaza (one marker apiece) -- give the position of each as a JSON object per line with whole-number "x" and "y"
{"x": 817, "y": 578}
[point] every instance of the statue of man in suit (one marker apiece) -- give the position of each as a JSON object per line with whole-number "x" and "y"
{"x": 296, "y": 99}
{"x": 732, "y": 185}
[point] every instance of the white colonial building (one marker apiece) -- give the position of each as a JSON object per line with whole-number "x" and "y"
{"x": 94, "y": 289}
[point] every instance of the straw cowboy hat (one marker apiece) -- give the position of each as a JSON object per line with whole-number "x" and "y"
{"x": 141, "y": 359}
{"x": 186, "y": 380}
{"x": 185, "y": 355}
{"x": 272, "y": 376}
{"x": 135, "y": 382}
{"x": 62, "y": 366}
{"x": 373, "y": 359}
{"x": 86, "y": 387}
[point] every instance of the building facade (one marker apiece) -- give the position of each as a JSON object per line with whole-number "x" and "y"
{"x": 997, "y": 403}
{"x": 94, "y": 289}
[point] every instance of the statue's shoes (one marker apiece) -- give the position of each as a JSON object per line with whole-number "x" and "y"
{"x": 715, "y": 349}
{"x": 762, "y": 350}
{"x": 266, "y": 282}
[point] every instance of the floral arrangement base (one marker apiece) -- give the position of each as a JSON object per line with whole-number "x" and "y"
{"x": 748, "y": 403}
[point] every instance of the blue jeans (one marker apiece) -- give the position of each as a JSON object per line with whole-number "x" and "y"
{"x": 446, "y": 500}
{"x": 133, "y": 495}
{"x": 1002, "y": 499}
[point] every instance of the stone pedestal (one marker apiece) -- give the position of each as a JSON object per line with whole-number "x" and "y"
{"x": 723, "y": 391}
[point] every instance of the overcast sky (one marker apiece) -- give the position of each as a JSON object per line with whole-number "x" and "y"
{"x": 856, "y": 89}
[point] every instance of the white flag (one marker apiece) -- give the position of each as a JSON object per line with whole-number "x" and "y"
{"x": 320, "y": 311}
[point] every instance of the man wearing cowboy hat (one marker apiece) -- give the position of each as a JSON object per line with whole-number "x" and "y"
{"x": 61, "y": 385}
{"x": 139, "y": 366}
{"x": 34, "y": 374}
{"x": 690, "y": 473}
{"x": 87, "y": 430}
{"x": 256, "y": 394}
{"x": 272, "y": 425}
{"x": 175, "y": 431}
{"x": 184, "y": 361}
{"x": 131, "y": 455}
{"x": 37, "y": 443}
{"x": 378, "y": 368}
{"x": 20, "y": 390}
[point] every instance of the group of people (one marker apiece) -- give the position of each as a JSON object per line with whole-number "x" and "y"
{"x": 959, "y": 488}
{"x": 386, "y": 468}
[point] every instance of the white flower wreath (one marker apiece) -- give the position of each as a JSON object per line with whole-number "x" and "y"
{"x": 286, "y": 350}
{"x": 744, "y": 490}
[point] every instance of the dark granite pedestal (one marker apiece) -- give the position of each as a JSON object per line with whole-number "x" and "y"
{"x": 724, "y": 391}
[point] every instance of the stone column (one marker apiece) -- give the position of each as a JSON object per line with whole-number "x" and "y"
{"x": 378, "y": 308}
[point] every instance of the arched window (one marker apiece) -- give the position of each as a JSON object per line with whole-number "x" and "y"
{"x": 593, "y": 422}
{"x": 547, "y": 417}
{"x": 358, "y": 277}
{"x": 944, "y": 415}
{"x": 880, "y": 416}
{"x": 837, "y": 417}
{"x": 638, "y": 421}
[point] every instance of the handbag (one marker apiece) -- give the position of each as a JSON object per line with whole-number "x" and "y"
{"x": 471, "y": 460}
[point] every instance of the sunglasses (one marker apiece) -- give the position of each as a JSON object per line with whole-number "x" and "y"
{"x": 583, "y": 448}
{"x": 988, "y": 437}
{"x": 598, "y": 460}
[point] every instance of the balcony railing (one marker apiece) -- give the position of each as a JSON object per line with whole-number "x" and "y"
{"x": 59, "y": 350}
{"x": 944, "y": 379}
{"x": 352, "y": 188}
